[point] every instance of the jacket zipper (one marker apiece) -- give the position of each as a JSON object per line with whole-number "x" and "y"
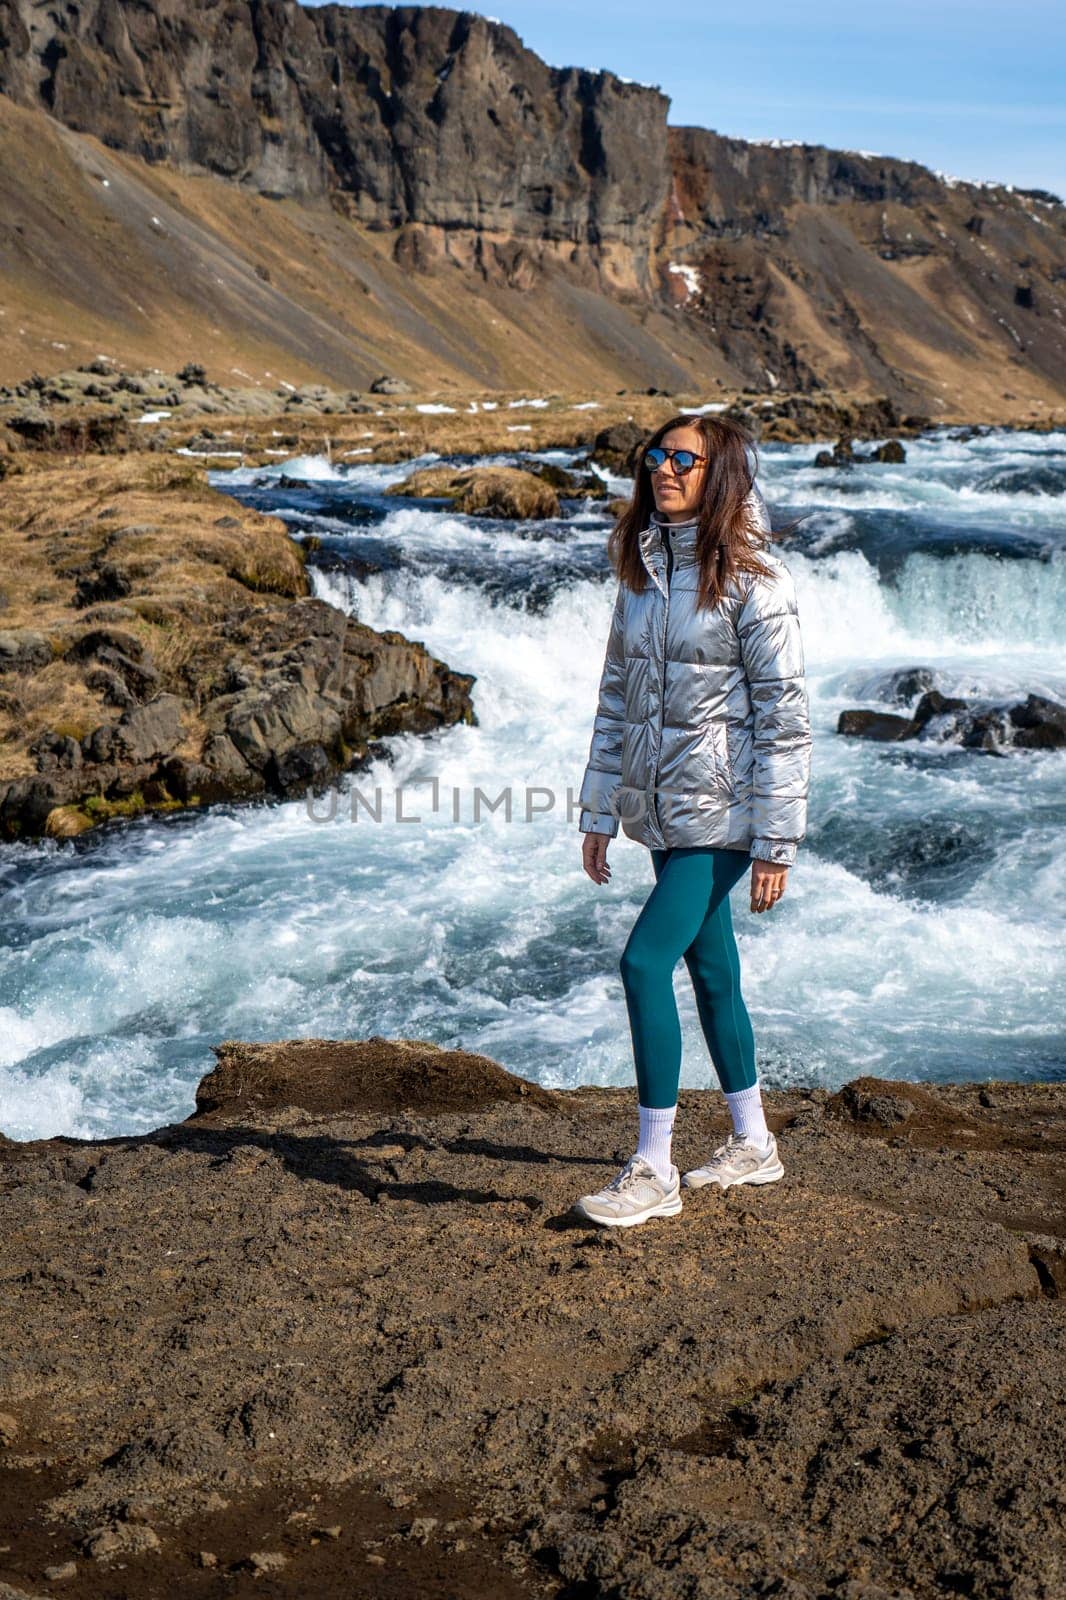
{"x": 662, "y": 676}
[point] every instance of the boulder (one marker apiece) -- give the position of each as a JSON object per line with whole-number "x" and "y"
{"x": 882, "y": 725}
{"x": 617, "y": 448}
{"x": 485, "y": 491}
{"x": 24, "y": 650}
{"x": 375, "y": 1074}
{"x": 1039, "y": 723}
{"x": 53, "y": 751}
{"x": 901, "y": 685}
{"x": 146, "y": 732}
{"x": 1035, "y": 723}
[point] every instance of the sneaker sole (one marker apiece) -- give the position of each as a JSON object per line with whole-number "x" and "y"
{"x": 669, "y": 1208}
{"x": 767, "y": 1175}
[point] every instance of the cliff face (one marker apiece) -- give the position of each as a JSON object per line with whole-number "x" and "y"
{"x": 417, "y": 114}
{"x": 438, "y": 135}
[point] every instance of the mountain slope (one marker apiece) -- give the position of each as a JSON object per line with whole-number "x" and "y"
{"x": 341, "y": 191}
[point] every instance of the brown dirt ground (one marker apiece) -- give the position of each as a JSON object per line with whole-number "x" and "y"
{"x": 848, "y": 1383}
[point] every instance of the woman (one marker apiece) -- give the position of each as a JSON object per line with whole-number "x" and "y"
{"x": 701, "y": 749}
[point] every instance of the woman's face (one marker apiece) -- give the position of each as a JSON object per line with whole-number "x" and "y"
{"x": 678, "y": 496}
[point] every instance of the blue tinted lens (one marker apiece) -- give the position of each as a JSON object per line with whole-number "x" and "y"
{"x": 655, "y": 457}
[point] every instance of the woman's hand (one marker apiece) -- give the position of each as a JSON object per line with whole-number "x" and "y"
{"x": 594, "y": 856}
{"x": 767, "y": 884}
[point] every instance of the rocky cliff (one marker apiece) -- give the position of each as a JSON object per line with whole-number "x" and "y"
{"x": 415, "y": 113}
{"x": 666, "y": 252}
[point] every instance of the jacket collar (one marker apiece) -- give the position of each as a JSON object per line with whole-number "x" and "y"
{"x": 682, "y": 542}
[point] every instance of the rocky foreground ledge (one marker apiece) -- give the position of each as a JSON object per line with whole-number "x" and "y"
{"x": 339, "y": 1332}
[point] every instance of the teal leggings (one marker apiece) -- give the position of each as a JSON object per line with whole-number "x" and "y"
{"x": 687, "y": 914}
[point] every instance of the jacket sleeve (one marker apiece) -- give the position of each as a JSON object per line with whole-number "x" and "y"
{"x": 772, "y": 652}
{"x": 603, "y": 774}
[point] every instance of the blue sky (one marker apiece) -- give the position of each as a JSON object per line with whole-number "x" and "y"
{"x": 976, "y": 88}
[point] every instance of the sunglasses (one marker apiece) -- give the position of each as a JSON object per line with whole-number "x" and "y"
{"x": 682, "y": 460}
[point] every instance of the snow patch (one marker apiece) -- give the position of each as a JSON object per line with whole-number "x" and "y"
{"x": 690, "y": 275}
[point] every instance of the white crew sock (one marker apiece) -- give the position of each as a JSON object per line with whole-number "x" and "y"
{"x": 656, "y": 1132}
{"x": 749, "y": 1121}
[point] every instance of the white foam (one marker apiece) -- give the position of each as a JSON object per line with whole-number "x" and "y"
{"x": 256, "y": 922}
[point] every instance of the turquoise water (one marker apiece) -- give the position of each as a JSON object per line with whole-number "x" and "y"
{"x": 922, "y": 934}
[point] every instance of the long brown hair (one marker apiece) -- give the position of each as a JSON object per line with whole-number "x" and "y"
{"x": 728, "y": 538}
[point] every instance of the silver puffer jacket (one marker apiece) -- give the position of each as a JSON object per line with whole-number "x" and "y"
{"x": 702, "y": 732}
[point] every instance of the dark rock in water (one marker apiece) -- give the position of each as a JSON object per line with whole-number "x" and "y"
{"x": 1040, "y": 723}
{"x": 935, "y": 704}
{"x": 304, "y": 766}
{"x": 987, "y": 730}
{"x": 24, "y": 806}
{"x": 1035, "y": 723}
{"x": 936, "y": 859}
{"x": 843, "y": 455}
{"x": 316, "y": 678}
{"x": 901, "y": 685}
{"x": 617, "y": 448}
{"x": 194, "y": 782}
{"x": 1039, "y": 478}
{"x": 882, "y": 725}
{"x": 569, "y": 484}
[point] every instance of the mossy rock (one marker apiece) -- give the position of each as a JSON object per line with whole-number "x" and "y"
{"x": 66, "y": 822}
{"x": 484, "y": 491}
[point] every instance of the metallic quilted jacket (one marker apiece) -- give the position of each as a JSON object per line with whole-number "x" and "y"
{"x": 702, "y": 732}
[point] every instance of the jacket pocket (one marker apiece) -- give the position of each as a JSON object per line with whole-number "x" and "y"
{"x": 738, "y": 760}
{"x": 720, "y": 735}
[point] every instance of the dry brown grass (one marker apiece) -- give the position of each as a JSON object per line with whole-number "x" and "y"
{"x": 157, "y": 521}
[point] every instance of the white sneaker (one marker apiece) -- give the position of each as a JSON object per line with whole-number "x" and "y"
{"x": 635, "y": 1195}
{"x": 737, "y": 1161}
